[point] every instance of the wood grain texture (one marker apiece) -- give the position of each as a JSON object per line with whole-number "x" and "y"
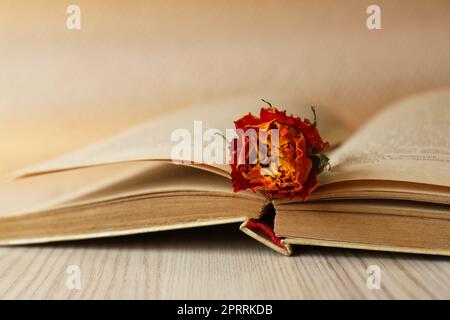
{"x": 215, "y": 262}
{"x": 334, "y": 62}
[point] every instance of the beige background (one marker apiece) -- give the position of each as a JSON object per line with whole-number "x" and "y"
{"x": 61, "y": 89}
{"x": 132, "y": 59}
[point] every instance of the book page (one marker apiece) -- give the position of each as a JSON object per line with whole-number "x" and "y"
{"x": 153, "y": 140}
{"x": 408, "y": 142}
{"x": 162, "y": 179}
{"x": 102, "y": 183}
{"x": 47, "y": 191}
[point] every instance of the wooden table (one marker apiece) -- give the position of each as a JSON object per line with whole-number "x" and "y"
{"x": 61, "y": 90}
{"x": 213, "y": 263}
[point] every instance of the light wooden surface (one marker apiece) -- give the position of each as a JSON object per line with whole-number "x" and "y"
{"x": 218, "y": 262}
{"x": 62, "y": 90}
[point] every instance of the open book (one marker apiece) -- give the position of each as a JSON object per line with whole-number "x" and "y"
{"x": 388, "y": 187}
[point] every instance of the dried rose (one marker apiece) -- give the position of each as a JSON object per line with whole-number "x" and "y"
{"x": 299, "y": 155}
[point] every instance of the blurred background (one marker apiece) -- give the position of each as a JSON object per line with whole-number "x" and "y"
{"x": 132, "y": 60}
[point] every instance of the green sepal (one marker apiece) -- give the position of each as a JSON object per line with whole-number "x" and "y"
{"x": 320, "y": 161}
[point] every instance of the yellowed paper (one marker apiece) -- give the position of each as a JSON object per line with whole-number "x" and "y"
{"x": 409, "y": 142}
